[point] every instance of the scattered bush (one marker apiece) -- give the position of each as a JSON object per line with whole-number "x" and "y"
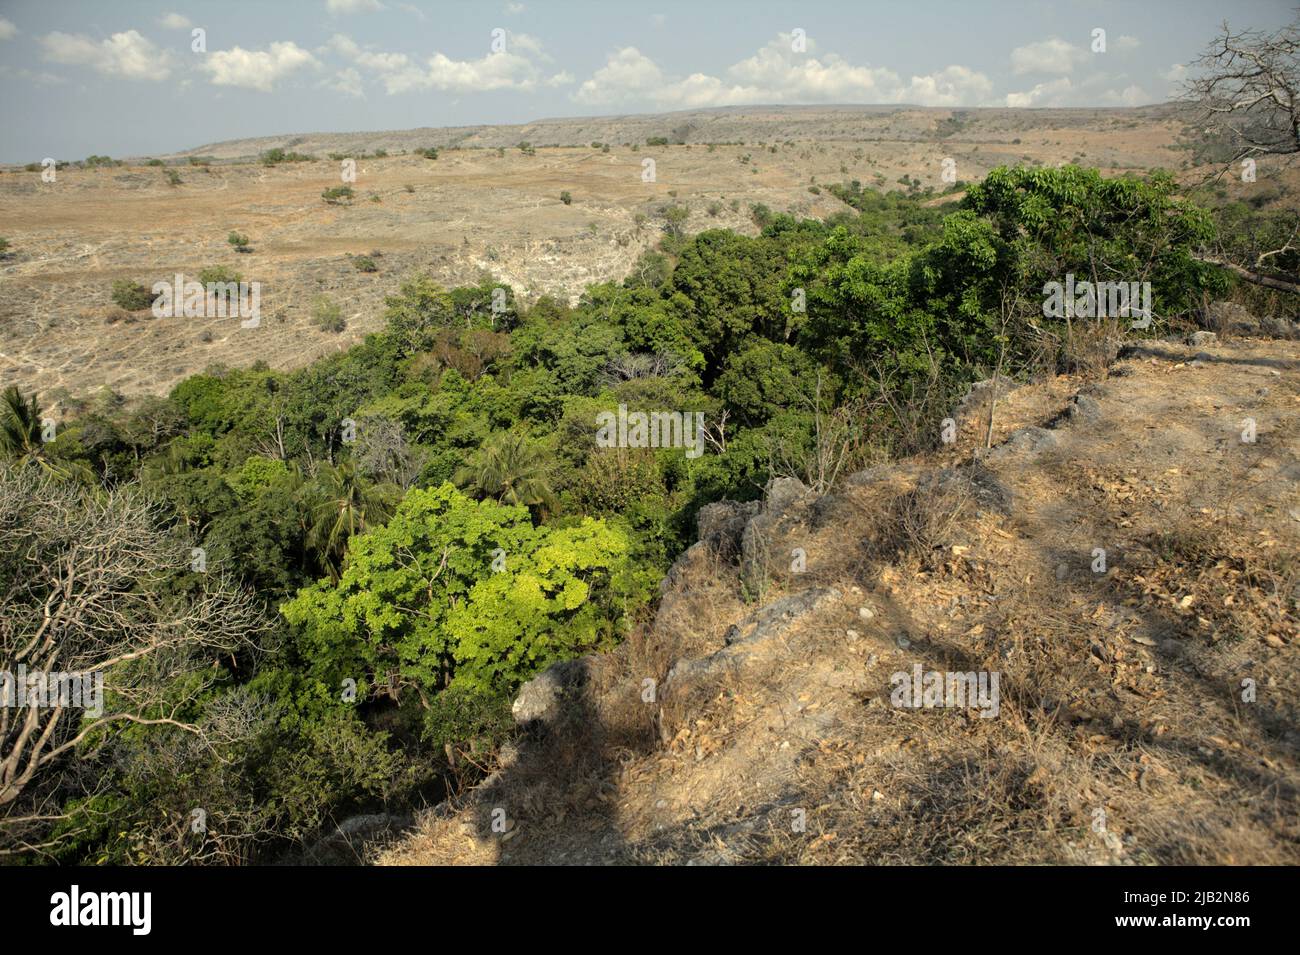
{"x": 274, "y": 157}
{"x": 131, "y": 295}
{"x": 327, "y": 315}
{"x": 338, "y": 195}
{"x": 566, "y": 198}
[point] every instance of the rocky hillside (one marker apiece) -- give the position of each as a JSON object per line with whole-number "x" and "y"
{"x": 1145, "y": 707}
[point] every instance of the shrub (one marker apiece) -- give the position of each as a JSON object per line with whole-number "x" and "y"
{"x": 273, "y": 157}
{"x": 657, "y": 141}
{"x": 675, "y": 217}
{"x": 154, "y": 162}
{"x": 173, "y": 178}
{"x": 339, "y": 195}
{"x": 327, "y": 315}
{"x": 219, "y": 275}
{"x": 239, "y": 242}
{"x": 428, "y": 152}
{"x": 566, "y": 197}
{"x": 365, "y": 263}
{"x": 131, "y": 295}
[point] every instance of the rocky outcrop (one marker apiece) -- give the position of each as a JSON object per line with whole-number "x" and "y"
{"x": 756, "y": 641}
{"x": 541, "y": 700}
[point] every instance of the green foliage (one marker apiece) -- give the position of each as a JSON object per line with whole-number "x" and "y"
{"x": 131, "y": 295}
{"x": 384, "y": 568}
{"x": 765, "y": 379}
{"x": 566, "y": 197}
{"x": 327, "y": 314}
{"x": 274, "y": 157}
{"x": 419, "y": 596}
{"x": 338, "y": 195}
{"x": 219, "y": 275}
{"x": 511, "y": 468}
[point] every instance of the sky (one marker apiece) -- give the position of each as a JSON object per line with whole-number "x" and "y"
{"x": 130, "y": 77}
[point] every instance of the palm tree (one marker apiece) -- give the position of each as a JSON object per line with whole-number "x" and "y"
{"x": 20, "y": 425}
{"x": 21, "y": 439}
{"x": 509, "y": 468}
{"x": 342, "y": 504}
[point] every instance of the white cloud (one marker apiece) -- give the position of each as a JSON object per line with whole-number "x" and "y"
{"x": 256, "y": 69}
{"x": 125, "y": 54}
{"x": 495, "y": 71}
{"x": 952, "y": 86}
{"x": 562, "y": 78}
{"x": 1131, "y": 95}
{"x": 353, "y": 6}
{"x": 7, "y": 29}
{"x": 626, "y": 73}
{"x": 40, "y": 79}
{"x": 776, "y": 75}
{"x": 1127, "y": 42}
{"x": 515, "y": 8}
{"x": 347, "y": 82}
{"x": 1051, "y": 93}
{"x": 174, "y": 21}
{"x": 1052, "y": 55}
{"x": 529, "y": 44}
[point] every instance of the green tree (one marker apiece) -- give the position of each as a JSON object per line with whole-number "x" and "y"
{"x": 344, "y": 504}
{"x": 511, "y": 468}
{"x": 453, "y": 590}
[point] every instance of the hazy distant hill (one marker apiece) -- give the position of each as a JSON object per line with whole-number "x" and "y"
{"x": 742, "y": 124}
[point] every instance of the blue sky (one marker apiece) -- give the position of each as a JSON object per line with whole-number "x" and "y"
{"x": 120, "y": 78}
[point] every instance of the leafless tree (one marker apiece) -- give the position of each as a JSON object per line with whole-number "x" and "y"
{"x": 836, "y": 444}
{"x": 84, "y": 590}
{"x": 1245, "y": 93}
{"x": 1246, "y": 86}
{"x": 382, "y": 451}
{"x": 631, "y": 365}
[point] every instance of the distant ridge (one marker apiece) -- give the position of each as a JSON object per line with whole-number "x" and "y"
{"x": 727, "y": 124}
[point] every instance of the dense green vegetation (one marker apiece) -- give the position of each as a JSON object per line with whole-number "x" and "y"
{"x": 426, "y": 519}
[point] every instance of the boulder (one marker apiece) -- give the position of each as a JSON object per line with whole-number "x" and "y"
{"x": 541, "y": 699}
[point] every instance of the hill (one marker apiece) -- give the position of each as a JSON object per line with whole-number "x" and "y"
{"x": 1143, "y": 714}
